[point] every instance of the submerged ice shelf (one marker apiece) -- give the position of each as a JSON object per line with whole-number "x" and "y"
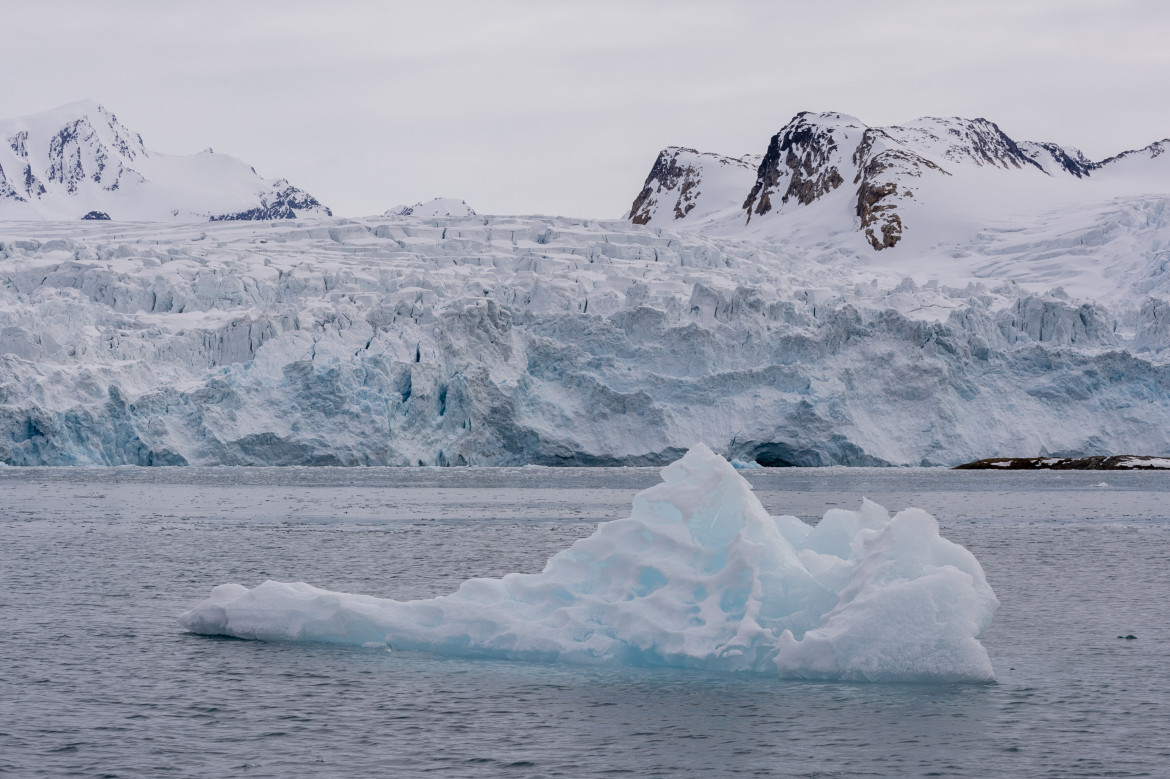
{"x": 698, "y": 576}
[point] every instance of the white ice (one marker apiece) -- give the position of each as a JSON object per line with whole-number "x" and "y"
{"x": 698, "y": 576}
{"x": 1145, "y": 462}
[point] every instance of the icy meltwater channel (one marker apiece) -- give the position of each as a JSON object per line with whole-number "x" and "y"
{"x": 99, "y": 679}
{"x": 698, "y": 576}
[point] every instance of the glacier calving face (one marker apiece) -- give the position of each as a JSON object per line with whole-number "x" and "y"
{"x": 509, "y": 340}
{"x": 698, "y": 576}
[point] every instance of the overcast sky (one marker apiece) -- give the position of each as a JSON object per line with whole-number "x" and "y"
{"x": 540, "y": 106}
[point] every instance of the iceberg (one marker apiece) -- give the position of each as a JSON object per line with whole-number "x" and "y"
{"x": 698, "y": 576}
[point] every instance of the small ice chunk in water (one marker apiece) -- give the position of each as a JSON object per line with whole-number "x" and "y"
{"x": 698, "y": 576}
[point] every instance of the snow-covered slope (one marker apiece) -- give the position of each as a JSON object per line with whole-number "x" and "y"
{"x": 696, "y": 186}
{"x": 440, "y": 206}
{"x": 929, "y": 186}
{"x": 1142, "y": 170}
{"x": 510, "y": 340}
{"x": 79, "y": 162}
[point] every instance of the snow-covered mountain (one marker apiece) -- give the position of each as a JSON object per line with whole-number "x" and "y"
{"x": 440, "y": 206}
{"x": 927, "y": 184}
{"x": 80, "y": 162}
{"x": 696, "y": 186}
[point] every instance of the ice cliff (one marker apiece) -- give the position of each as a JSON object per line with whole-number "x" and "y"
{"x": 407, "y": 340}
{"x": 698, "y": 576}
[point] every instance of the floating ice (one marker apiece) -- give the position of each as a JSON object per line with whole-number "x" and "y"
{"x": 699, "y": 576}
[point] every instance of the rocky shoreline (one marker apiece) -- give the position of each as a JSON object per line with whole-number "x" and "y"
{"x": 1120, "y": 462}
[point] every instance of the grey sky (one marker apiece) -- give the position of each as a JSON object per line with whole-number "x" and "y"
{"x": 522, "y": 106}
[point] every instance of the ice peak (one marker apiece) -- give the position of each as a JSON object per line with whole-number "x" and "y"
{"x": 699, "y": 459}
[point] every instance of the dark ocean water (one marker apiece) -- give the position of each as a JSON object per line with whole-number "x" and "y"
{"x": 97, "y": 678}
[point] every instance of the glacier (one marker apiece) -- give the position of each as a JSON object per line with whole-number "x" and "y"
{"x": 698, "y": 576}
{"x": 497, "y": 340}
{"x": 924, "y": 294}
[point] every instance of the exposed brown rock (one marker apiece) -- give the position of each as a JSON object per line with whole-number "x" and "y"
{"x": 877, "y": 191}
{"x": 802, "y": 153}
{"x": 686, "y": 197}
{"x": 667, "y": 175}
{"x": 664, "y": 176}
{"x": 639, "y": 211}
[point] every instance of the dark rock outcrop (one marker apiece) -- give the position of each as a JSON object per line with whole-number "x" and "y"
{"x": 1120, "y": 462}
{"x": 801, "y": 161}
{"x": 816, "y": 154}
{"x": 284, "y": 203}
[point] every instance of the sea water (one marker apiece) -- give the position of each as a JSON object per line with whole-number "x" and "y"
{"x": 97, "y": 678}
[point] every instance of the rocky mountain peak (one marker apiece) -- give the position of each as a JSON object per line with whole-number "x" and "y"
{"x": 79, "y": 159}
{"x": 878, "y": 176}
{"x": 1153, "y": 151}
{"x": 958, "y": 140}
{"x": 683, "y": 180}
{"x": 803, "y": 161}
{"x": 1052, "y": 158}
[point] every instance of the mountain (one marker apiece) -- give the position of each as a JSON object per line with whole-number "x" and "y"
{"x": 931, "y": 182}
{"x": 79, "y": 162}
{"x": 440, "y": 206}
{"x": 697, "y": 186}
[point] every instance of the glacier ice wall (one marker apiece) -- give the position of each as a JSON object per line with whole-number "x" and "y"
{"x": 698, "y": 576}
{"x": 508, "y": 340}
